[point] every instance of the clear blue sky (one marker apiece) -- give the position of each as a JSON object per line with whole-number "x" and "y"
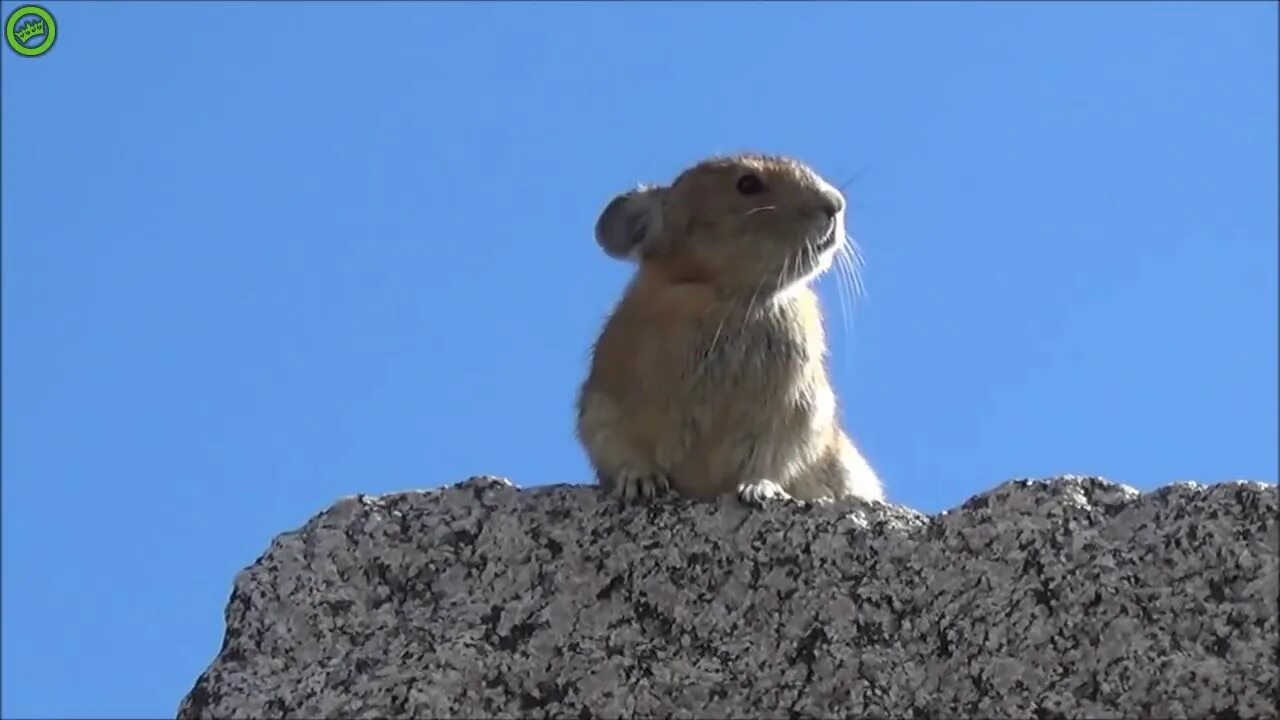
{"x": 261, "y": 256}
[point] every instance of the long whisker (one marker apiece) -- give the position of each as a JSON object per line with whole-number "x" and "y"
{"x": 714, "y": 338}
{"x": 843, "y": 262}
{"x": 842, "y": 288}
{"x": 746, "y": 317}
{"x": 840, "y": 294}
{"x": 857, "y": 174}
{"x": 784, "y": 275}
{"x": 730, "y": 310}
{"x": 853, "y": 264}
{"x": 762, "y": 208}
{"x": 856, "y": 263}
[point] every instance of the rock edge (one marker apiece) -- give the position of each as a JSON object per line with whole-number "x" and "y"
{"x": 1071, "y": 597}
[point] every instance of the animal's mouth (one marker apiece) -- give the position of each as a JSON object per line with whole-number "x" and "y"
{"x": 827, "y": 240}
{"x": 817, "y": 251}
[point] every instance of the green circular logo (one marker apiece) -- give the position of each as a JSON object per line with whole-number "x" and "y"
{"x": 30, "y": 30}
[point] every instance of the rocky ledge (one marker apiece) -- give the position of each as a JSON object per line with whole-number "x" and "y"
{"x": 1071, "y": 597}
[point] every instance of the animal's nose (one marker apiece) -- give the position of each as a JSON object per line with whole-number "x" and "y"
{"x": 832, "y": 202}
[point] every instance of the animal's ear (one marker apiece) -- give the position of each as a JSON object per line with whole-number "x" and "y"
{"x": 630, "y": 223}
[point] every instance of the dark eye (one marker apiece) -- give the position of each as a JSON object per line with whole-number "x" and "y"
{"x": 750, "y": 184}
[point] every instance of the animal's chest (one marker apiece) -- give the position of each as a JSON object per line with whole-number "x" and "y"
{"x": 762, "y": 358}
{"x": 746, "y": 400}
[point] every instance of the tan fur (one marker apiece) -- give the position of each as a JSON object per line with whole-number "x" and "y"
{"x": 709, "y": 377}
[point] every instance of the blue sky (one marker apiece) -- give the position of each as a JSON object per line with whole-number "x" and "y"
{"x": 257, "y": 257}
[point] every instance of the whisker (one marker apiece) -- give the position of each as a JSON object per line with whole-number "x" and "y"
{"x": 857, "y": 174}
{"x": 839, "y": 285}
{"x": 850, "y": 282}
{"x": 784, "y": 277}
{"x": 842, "y": 288}
{"x": 762, "y": 208}
{"x": 714, "y": 338}
{"x": 746, "y": 317}
{"x": 842, "y": 261}
{"x": 856, "y": 263}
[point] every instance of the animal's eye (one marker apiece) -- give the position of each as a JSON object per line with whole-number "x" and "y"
{"x": 749, "y": 184}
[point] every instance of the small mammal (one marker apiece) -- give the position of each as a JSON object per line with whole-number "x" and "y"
{"x": 709, "y": 377}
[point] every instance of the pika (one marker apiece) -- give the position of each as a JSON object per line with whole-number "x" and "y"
{"x": 710, "y": 376}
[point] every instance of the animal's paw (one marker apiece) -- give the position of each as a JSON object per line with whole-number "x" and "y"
{"x": 631, "y": 485}
{"x": 758, "y": 493}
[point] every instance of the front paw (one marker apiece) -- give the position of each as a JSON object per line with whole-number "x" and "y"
{"x": 759, "y": 493}
{"x": 633, "y": 485}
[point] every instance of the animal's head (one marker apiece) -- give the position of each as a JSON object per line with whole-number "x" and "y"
{"x": 748, "y": 222}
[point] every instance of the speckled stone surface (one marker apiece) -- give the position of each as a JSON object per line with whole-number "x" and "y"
{"x": 1073, "y": 597}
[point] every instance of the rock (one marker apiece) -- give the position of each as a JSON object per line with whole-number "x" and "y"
{"x": 1073, "y": 597}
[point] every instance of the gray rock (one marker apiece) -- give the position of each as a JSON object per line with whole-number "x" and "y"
{"x": 1074, "y": 597}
